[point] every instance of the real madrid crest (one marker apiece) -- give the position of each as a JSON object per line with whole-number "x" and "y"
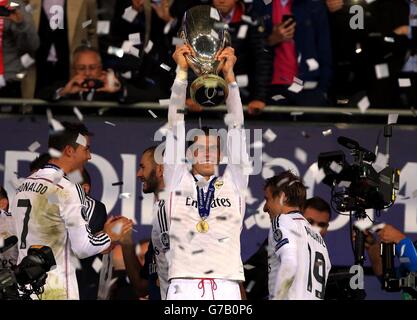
{"x": 164, "y": 237}
{"x": 218, "y": 184}
{"x": 277, "y": 235}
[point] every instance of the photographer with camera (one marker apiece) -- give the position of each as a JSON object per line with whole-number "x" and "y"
{"x": 89, "y": 81}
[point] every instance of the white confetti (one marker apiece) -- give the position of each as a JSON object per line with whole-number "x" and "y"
{"x": 296, "y": 86}
{"x": 153, "y": 114}
{"x": 377, "y": 227}
{"x": 130, "y": 14}
{"x": 56, "y": 125}
{"x": 118, "y": 52}
{"x": 358, "y": 48}
{"x": 117, "y": 229}
{"x": 247, "y": 19}
{"x": 165, "y": 67}
{"x": 296, "y": 113}
{"x": 1, "y": 242}
{"x": 369, "y": 1}
{"x": 242, "y": 80}
{"x": 257, "y": 145}
{"x": 20, "y": 75}
{"x": 363, "y": 224}
{"x": 392, "y": 118}
{"x": 243, "y": 30}
{"x": 300, "y": 155}
{"x": 110, "y": 123}
{"x": 75, "y": 177}
{"x": 404, "y": 82}
{"x": 126, "y": 46}
{"x": 327, "y": 132}
{"x": 310, "y": 85}
{"x": 134, "y": 52}
{"x": 380, "y": 162}
{"x": 382, "y": 71}
{"x": 248, "y": 267}
{"x": 138, "y": 250}
{"x": 27, "y": 60}
{"x": 34, "y": 146}
{"x": 250, "y": 222}
{"x": 127, "y": 75}
{"x": 344, "y": 184}
{"x": 177, "y": 41}
{"x": 319, "y": 175}
{"x": 267, "y": 2}
{"x": 53, "y": 197}
{"x": 81, "y": 140}
{"x": 103, "y": 27}
{"x": 54, "y": 153}
{"x": 134, "y": 38}
{"x": 312, "y": 64}
{"x": 85, "y": 24}
{"x": 364, "y": 104}
{"x": 214, "y": 34}
{"x": 124, "y": 195}
{"x": 149, "y": 46}
{"x": 168, "y": 26}
{"x": 164, "y": 102}
{"x": 269, "y": 135}
{"x": 214, "y": 14}
{"x": 336, "y": 167}
{"x": 78, "y": 113}
{"x": 389, "y": 39}
{"x": 278, "y": 97}
{"x": 1, "y": 167}
{"x": 97, "y": 264}
{"x": 414, "y": 194}
{"x": 2, "y": 81}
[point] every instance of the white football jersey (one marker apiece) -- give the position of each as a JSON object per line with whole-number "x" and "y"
{"x": 161, "y": 244}
{"x": 7, "y": 229}
{"x": 298, "y": 260}
{"x": 217, "y": 252}
{"x": 50, "y": 210}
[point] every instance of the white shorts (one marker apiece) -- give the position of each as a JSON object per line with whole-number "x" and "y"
{"x": 203, "y": 289}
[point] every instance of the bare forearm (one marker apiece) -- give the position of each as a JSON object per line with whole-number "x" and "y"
{"x": 133, "y": 269}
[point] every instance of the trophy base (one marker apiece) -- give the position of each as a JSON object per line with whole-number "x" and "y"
{"x": 209, "y": 90}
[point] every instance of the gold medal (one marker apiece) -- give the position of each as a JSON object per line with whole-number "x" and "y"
{"x": 218, "y": 184}
{"x": 202, "y": 226}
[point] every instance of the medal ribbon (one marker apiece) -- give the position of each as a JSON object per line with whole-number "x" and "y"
{"x": 204, "y": 200}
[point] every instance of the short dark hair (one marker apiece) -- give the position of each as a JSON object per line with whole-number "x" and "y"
{"x": 3, "y": 193}
{"x": 67, "y": 137}
{"x": 291, "y": 185}
{"x": 319, "y": 204}
{"x": 39, "y": 162}
{"x": 86, "y": 177}
{"x": 207, "y": 131}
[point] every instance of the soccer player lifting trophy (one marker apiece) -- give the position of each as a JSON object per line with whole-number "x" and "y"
{"x": 206, "y": 36}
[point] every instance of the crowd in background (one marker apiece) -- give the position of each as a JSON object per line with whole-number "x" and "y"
{"x": 290, "y": 52}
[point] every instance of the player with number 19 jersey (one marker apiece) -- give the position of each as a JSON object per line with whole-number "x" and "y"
{"x": 298, "y": 260}
{"x": 51, "y": 210}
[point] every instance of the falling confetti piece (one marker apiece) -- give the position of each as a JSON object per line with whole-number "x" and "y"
{"x": 165, "y": 67}
{"x": 149, "y": 46}
{"x": 85, "y": 24}
{"x": 300, "y": 155}
{"x": 27, "y": 60}
{"x": 103, "y": 27}
{"x": 34, "y": 146}
{"x": 124, "y": 195}
{"x": 278, "y": 97}
{"x": 382, "y": 71}
{"x": 381, "y": 161}
{"x": 81, "y": 140}
{"x": 312, "y": 64}
{"x": 243, "y": 30}
{"x": 404, "y": 82}
{"x": 54, "y": 153}
{"x": 336, "y": 167}
{"x": 129, "y": 14}
{"x": 75, "y": 177}
{"x": 344, "y": 184}
{"x": 97, "y": 264}
{"x": 134, "y": 38}
{"x": 327, "y": 132}
{"x": 214, "y": 14}
{"x": 250, "y": 222}
{"x": 153, "y": 114}
{"x": 363, "y": 224}
{"x": 110, "y": 123}
{"x": 269, "y": 135}
{"x": 78, "y": 113}
{"x": 364, "y": 104}
{"x": 164, "y": 102}
{"x": 392, "y": 118}
{"x": 242, "y": 80}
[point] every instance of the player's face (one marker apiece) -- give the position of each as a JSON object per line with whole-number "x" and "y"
{"x": 317, "y": 218}
{"x": 81, "y": 155}
{"x": 272, "y": 206}
{"x": 206, "y": 154}
{"x": 147, "y": 173}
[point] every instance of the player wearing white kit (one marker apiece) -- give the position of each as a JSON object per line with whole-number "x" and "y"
{"x": 298, "y": 260}
{"x": 151, "y": 175}
{"x": 49, "y": 210}
{"x": 206, "y": 211}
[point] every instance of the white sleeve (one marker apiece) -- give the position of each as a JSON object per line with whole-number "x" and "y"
{"x": 174, "y": 157}
{"x": 237, "y": 154}
{"x": 285, "y": 248}
{"x": 83, "y": 243}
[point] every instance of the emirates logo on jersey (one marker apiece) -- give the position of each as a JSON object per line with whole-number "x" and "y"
{"x": 218, "y": 202}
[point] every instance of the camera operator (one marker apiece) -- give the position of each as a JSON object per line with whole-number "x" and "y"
{"x": 89, "y": 81}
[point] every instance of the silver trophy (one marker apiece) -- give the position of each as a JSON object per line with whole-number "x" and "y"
{"x": 207, "y": 36}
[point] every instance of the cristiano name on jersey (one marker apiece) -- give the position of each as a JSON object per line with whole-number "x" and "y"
{"x": 32, "y": 186}
{"x": 218, "y": 202}
{"x": 315, "y": 236}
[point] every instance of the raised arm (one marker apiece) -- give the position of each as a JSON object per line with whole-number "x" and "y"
{"x": 174, "y": 157}
{"x": 237, "y": 154}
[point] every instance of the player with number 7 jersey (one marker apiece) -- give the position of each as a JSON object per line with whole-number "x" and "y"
{"x": 50, "y": 210}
